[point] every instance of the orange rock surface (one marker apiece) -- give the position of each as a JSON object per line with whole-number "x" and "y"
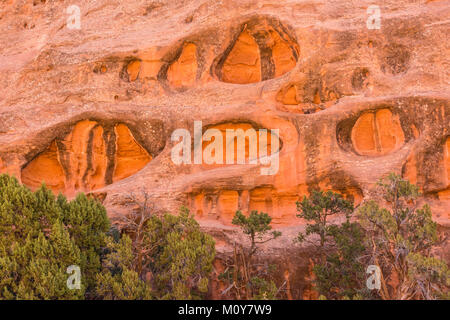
{"x": 183, "y": 72}
{"x": 46, "y": 168}
{"x": 94, "y": 109}
{"x": 243, "y": 142}
{"x": 263, "y": 50}
{"x": 445, "y": 194}
{"x": 130, "y": 157}
{"x": 133, "y": 69}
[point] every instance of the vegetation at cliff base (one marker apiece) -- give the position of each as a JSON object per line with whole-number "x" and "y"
{"x": 45, "y": 240}
{"x": 395, "y": 235}
{"x": 41, "y": 236}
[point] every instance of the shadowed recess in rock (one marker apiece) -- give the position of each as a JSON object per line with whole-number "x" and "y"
{"x": 130, "y": 157}
{"x": 308, "y": 95}
{"x": 45, "y": 167}
{"x": 89, "y": 157}
{"x": 243, "y": 64}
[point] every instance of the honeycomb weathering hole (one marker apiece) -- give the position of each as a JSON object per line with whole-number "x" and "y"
{"x": 240, "y": 144}
{"x": 307, "y": 95}
{"x": 91, "y": 156}
{"x": 445, "y": 194}
{"x": 262, "y": 50}
{"x": 133, "y": 69}
{"x": 290, "y": 96}
{"x": 377, "y": 133}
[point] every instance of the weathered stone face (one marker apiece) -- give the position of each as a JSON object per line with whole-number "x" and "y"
{"x": 377, "y": 133}
{"x": 94, "y": 109}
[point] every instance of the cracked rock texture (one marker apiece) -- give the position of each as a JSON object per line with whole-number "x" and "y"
{"x": 93, "y": 109}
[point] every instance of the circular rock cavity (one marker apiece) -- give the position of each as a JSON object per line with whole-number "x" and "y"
{"x": 263, "y": 49}
{"x": 91, "y": 156}
{"x": 445, "y": 194}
